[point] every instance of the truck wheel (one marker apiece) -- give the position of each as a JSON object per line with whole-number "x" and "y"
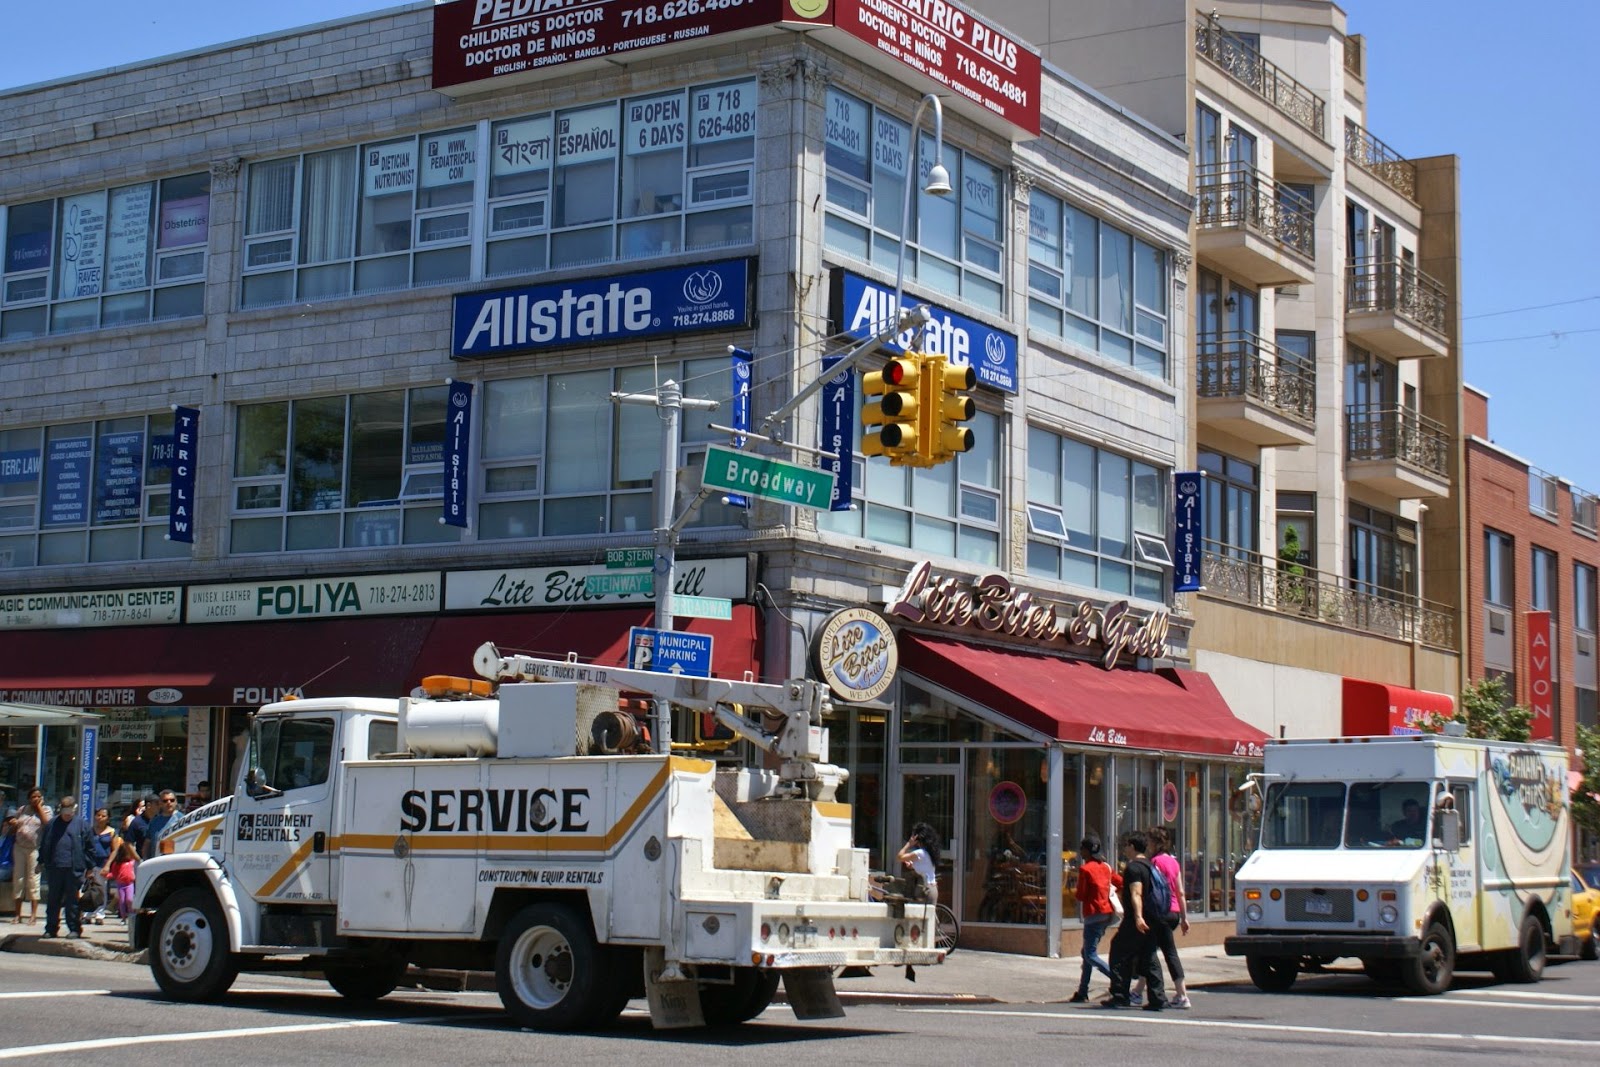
{"x": 1525, "y": 963}
{"x": 548, "y": 970}
{"x": 729, "y": 1005}
{"x": 371, "y": 980}
{"x": 189, "y": 947}
{"x": 1430, "y": 973}
{"x": 1273, "y": 974}
{"x": 1591, "y": 947}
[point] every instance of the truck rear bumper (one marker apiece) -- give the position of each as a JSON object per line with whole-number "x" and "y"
{"x": 1285, "y": 944}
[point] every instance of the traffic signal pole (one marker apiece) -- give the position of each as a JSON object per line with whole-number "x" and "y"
{"x": 669, "y": 401}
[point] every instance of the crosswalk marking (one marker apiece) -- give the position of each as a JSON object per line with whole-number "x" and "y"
{"x": 128, "y": 1040}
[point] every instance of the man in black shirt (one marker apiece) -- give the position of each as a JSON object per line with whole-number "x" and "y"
{"x": 1133, "y": 949}
{"x": 64, "y": 854}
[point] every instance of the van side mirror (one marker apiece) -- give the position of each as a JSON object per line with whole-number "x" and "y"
{"x": 1447, "y": 829}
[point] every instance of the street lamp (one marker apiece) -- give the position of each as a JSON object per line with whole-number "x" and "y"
{"x": 938, "y": 185}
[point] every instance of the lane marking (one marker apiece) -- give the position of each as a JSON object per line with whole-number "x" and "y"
{"x": 1452, "y": 1002}
{"x": 1521, "y": 994}
{"x": 1277, "y": 1028}
{"x": 56, "y": 993}
{"x": 207, "y": 1035}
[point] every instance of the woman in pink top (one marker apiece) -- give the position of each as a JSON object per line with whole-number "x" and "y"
{"x": 121, "y": 871}
{"x": 1162, "y": 859}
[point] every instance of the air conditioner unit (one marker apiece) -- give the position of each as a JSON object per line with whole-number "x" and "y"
{"x": 1585, "y": 644}
{"x": 1499, "y": 621}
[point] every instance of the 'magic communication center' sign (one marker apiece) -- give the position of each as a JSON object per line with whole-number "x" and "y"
{"x": 479, "y": 40}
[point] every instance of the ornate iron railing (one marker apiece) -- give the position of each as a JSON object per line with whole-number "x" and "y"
{"x": 1377, "y": 431}
{"x": 1240, "y": 364}
{"x": 1245, "y": 577}
{"x": 1377, "y": 158}
{"x": 1245, "y": 65}
{"x": 1390, "y": 284}
{"x": 1237, "y": 195}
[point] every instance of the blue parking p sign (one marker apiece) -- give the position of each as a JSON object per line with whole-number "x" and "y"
{"x": 669, "y": 651}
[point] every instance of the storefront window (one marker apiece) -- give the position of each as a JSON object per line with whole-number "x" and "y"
{"x": 856, "y": 743}
{"x": 19, "y": 759}
{"x": 1004, "y": 872}
{"x": 141, "y": 752}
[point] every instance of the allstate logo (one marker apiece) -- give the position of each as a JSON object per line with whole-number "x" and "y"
{"x": 741, "y": 369}
{"x": 994, "y": 349}
{"x": 459, "y": 400}
{"x": 1188, "y": 487}
{"x": 702, "y": 287}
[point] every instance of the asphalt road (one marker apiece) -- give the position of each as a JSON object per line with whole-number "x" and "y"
{"x": 55, "y": 1010}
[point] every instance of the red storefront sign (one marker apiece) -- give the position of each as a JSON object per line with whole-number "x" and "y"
{"x": 1541, "y": 698}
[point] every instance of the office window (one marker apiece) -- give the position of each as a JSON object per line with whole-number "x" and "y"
{"x": 87, "y": 492}
{"x": 1094, "y": 285}
{"x": 1232, "y": 505}
{"x": 1499, "y": 573}
{"x": 1112, "y": 508}
{"x": 1543, "y": 592}
{"x": 956, "y": 242}
{"x": 1583, "y": 597}
{"x": 111, "y": 257}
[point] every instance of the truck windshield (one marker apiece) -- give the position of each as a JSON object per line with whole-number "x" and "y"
{"x": 1388, "y": 815}
{"x": 1303, "y": 815}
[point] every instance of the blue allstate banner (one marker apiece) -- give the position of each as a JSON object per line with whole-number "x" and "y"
{"x": 839, "y": 431}
{"x": 1188, "y": 531}
{"x": 185, "y": 458}
{"x": 457, "y": 460}
{"x": 741, "y": 411}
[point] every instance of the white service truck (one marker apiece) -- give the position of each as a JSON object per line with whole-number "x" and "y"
{"x": 1414, "y": 854}
{"x": 530, "y": 829}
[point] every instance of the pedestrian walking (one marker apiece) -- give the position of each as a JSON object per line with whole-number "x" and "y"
{"x": 135, "y": 828}
{"x": 166, "y": 811}
{"x": 124, "y": 868}
{"x": 1176, "y": 919}
{"x": 102, "y": 845}
{"x": 64, "y": 850}
{"x": 32, "y": 818}
{"x": 1133, "y": 948}
{"x": 1096, "y": 883}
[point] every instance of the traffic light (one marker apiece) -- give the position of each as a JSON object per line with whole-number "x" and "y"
{"x": 954, "y": 408}
{"x": 893, "y": 409}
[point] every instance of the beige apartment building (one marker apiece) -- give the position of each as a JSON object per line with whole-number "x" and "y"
{"x": 1325, "y": 317}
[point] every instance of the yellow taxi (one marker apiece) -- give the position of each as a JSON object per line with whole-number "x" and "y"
{"x": 1586, "y": 916}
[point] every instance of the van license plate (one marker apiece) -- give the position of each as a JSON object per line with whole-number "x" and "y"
{"x": 1319, "y": 906}
{"x": 805, "y": 936}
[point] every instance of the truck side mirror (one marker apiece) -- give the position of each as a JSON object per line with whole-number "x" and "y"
{"x": 1447, "y": 829}
{"x": 255, "y": 784}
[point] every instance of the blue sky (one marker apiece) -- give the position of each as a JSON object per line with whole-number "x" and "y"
{"x": 1512, "y": 97}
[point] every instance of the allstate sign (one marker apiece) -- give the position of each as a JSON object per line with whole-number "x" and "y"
{"x": 862, "y": 307}
{"x": 712, "y": 296}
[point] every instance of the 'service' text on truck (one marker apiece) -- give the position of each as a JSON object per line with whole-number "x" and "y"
{"x": 531, "y": 830}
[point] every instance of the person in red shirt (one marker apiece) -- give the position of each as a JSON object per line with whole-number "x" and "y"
{"x": 1096, "y": 882}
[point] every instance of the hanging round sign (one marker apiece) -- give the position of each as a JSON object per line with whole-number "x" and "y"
{"x": 1169, "y": 802}
{"x": 1007, "y": 803}
{"x": 856, "y": 654}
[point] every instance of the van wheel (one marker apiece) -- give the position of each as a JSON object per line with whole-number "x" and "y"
{"x": 548, "y": 970}
{"x": 1525, "y": 963}
{"x": 189, "y": 953}
{"x": 1591, "y": 947}
{"x": 1273, "y": 974}
{"x": 372, "y": 980}
{"x": 1430, "y": 973}
{"x": 729, "y": 1005}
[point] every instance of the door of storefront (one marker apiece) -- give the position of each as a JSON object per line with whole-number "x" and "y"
{"x": 931, "y": 793}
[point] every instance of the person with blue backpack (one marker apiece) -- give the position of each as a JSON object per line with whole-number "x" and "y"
{"x": 1145, "y": 902}
{"x": 1176, "y": 918}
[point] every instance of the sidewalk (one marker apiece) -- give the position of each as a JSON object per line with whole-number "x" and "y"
{"x": 966, "y": 977}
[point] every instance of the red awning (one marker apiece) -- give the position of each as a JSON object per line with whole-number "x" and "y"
{"x": 1072, "y": 700}
{"x": 253, "y": 663}
{"x": 1376, "y": 709}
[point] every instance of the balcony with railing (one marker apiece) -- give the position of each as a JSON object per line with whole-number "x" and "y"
{"x": 1397, "y": 451}
{"x": 1379, "y": 160}
{"x": 1246, "y": 388}
{"x": 1245, "y": 65}
{"x": 1243, "y": 577}
{"x": 1396, "y": 309}
{"x": 1254, "y": 227}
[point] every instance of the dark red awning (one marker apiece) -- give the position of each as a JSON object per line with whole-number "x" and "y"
{"x": 1168, "y": 710}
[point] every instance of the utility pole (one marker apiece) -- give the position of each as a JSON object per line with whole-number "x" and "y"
{"x": 669, "y": 401}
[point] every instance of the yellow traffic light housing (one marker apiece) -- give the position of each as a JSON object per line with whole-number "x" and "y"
{"x": 896, "y": 409}
{"x": 954, "y": 408}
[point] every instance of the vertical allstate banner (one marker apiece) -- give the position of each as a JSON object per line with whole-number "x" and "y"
{"x": 1188, "y": 531}
{"x": 839, "y": 431}
{"x": 741, "y": 411}
{"x": 1541, "y": 695}
{"x": 457, "y": 438}
{"x": 86, "y": 758}
{"x": 180, "y": 498}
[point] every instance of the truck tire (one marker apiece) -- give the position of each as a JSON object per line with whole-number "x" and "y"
{"x": 1525, "y": 963}
{"x": 551, "y": 973}
{"x": 1273, "y": 974}
{"x": 189, "y": 953}
{"x": 1430, "y": 973}
{"x": 729, "y": 1005}
{"x": 370, "y": 980}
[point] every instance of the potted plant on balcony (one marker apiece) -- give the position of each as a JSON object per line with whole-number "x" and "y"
{"x": 1295, "y": 589}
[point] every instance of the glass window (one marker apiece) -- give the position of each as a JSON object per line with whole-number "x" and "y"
{"x": 1544, "y": 579}
{"x": 956, "y": 243}
{"x": 1232, "y": 500}
{"x": 1499, "y": 569}
{"x": 1094, "y": 285}
{"x": 1383, "y": 552}
{"x": 1583, "y": 597}
{"x": 1104, "y": 499}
